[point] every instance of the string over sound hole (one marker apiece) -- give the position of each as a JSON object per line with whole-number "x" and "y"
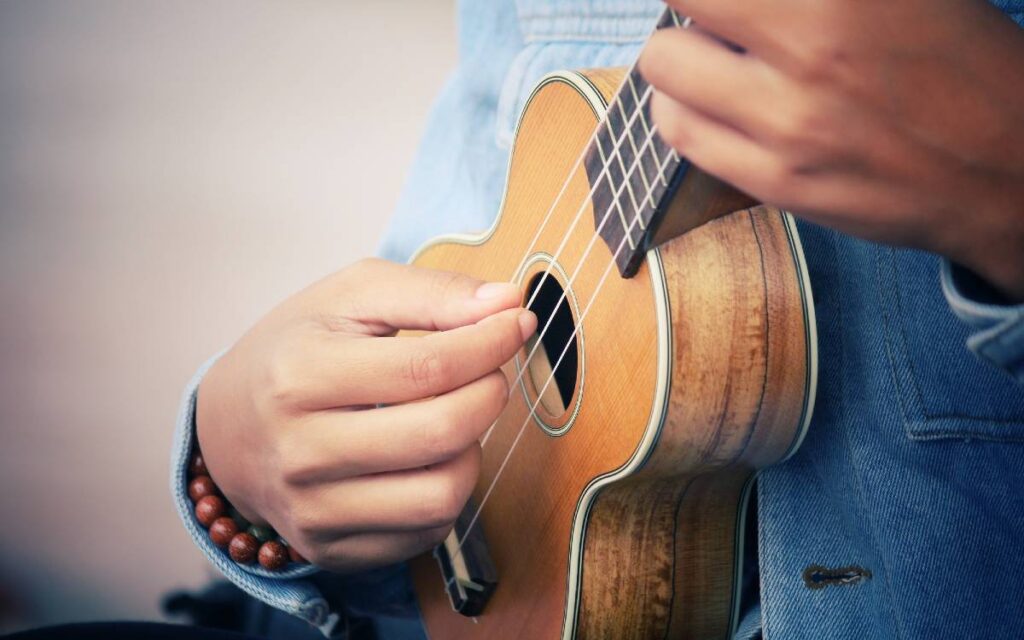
{"x": 554, "y": 311}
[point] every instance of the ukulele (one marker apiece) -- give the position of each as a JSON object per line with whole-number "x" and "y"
{"x": 675, "y": 357}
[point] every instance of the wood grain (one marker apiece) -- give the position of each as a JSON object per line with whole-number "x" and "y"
{"x": 659, "y": 553}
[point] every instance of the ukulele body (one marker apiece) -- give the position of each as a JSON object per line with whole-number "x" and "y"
{"x": 621, "y": 509}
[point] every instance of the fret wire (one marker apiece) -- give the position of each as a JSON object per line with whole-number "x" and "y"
{"x": 672, "y": 157}
{"x": 610, "y": 179}
{"x": 647, "y": 129}
{"x": 616, "y": 202}
{"x": 606, "y": 168}
{"x": 632, "y": 140}
{"x": 622, "y": 166}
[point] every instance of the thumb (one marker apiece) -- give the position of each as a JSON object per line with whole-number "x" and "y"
{"x": 388, "y": 296}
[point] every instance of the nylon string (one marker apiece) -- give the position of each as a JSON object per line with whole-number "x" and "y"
{"x": 671, "y": 156}
{"x": 568, "y": 180}
{"x": 604, "y": 219}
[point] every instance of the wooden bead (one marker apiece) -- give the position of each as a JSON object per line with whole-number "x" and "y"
{"x": 243, "y": 548}
{"x": 222, "y": 531}
{"x": 198, "y": 466}
{"x": 295, "y": 556}
{"x": 273, "y": 555}
{"x": 208, "y": 509}
{"x": 201, "y": 486}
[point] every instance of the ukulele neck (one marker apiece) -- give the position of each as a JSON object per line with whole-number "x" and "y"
{"x": 643, "y": 192}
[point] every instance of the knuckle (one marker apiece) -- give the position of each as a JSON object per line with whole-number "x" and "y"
{"x": 445, "y": 283}
{"x": 800, "y": 127}
{"x": 820, "y": 62}
{"x": 319, "y": 555}
{"x": 441, "y": 504}
{"x": 670, "y": 127}
{"x": 305, "y": 521}
{"x": 355, "y": 276}
{"x": 652, "y": 63}
{"x": 293, "y": 462}
{"x": 785, "y": 132}
{"x": 284, "y": 383}
{"x": 363, "y": 267}
{"x": 427, "y": 371}
{"x": 430, "y": 538}
{"x": 675, "y": 135}
{"x": 441, "y": 435}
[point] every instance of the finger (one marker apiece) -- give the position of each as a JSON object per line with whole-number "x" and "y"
{"x": 401, "y": 501}
{"x": 334, "y": 445}
{"x": 363, "y": 551}
{"x": 360, "y": 371}
{"x": 716, "y": 148}
{"x": 702, "y": 73}
{"x": 816, "y": 192}
{"x": 391, "y": 296}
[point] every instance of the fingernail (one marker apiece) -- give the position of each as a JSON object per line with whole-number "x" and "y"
{"x": 491, "y": 290}
{"x": 527, "y": 324}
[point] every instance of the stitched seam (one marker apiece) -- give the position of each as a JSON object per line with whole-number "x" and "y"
{"x": 945, "y": 434}
{"x": 972, "y": 419}
{"x": 890, "y": 351}
{"x": 902, "y": 360}
{"x": 908, "y": 362}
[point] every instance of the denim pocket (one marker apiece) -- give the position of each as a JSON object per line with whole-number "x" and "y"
{"x": 944, "y": 390}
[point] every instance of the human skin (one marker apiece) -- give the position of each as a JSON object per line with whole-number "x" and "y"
{"x": 289, "y": 423}
{"x": 899, "y": 122}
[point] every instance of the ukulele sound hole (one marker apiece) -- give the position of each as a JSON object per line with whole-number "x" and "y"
{"x": 550, "y": 305}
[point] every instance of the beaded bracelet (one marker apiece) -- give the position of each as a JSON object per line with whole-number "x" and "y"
{"x": 245, "y": 543}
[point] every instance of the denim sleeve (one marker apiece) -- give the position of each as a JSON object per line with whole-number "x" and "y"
{"x": 285, "y": 590}
{"x": 998, "y": 336}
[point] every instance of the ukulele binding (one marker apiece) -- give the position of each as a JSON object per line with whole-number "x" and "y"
{"x": 699, "y": 371}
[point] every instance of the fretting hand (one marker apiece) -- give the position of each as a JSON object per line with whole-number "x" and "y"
{"x": 290, "y": 429}
{"x": 901, "y": 122}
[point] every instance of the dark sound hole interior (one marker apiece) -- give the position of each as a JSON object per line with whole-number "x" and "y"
{"x": 558, "y": 334}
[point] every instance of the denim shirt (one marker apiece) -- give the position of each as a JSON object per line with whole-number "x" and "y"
{"x": 902, "y": 515}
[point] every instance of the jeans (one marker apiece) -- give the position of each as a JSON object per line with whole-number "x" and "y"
{"x": 901, "y": 515}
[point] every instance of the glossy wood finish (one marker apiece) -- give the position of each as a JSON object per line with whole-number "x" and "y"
{"x": 693, "y": 373}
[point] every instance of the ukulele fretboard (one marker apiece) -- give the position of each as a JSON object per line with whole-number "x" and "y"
{"x": 633, "y": 172}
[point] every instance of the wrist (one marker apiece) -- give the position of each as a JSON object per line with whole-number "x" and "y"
{"x": 225, "y": 464}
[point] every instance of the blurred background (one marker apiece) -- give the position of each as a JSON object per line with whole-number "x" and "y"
{"x": 168, "y": 172}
